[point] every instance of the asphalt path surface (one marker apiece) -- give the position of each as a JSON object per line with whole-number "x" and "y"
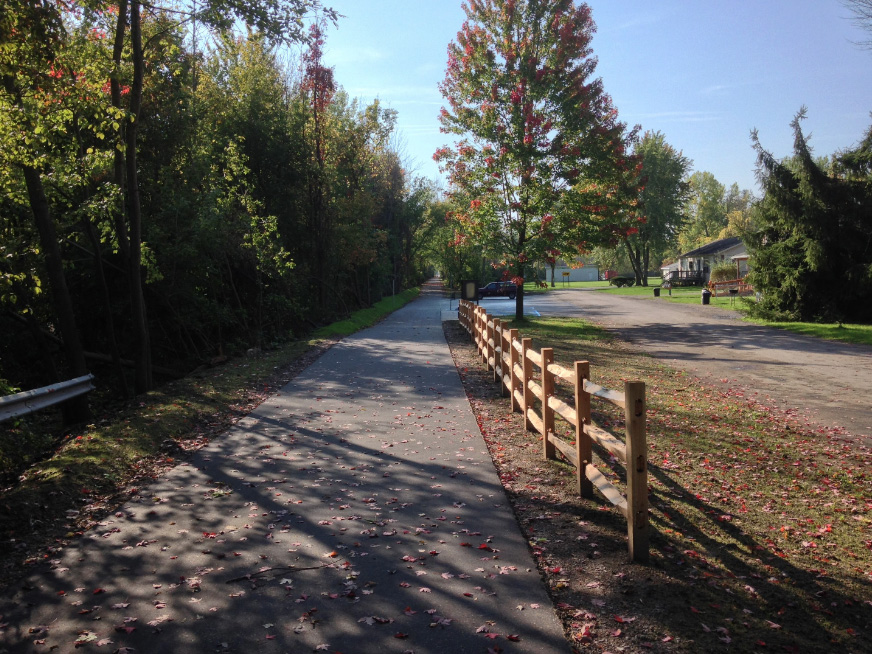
{"x": 356, "y": 511}
{"x": 825, "y": 382}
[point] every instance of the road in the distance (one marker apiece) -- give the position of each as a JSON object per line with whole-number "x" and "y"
{"x": 828, "y": 381}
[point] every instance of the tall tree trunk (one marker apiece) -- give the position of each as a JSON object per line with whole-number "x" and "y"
{"x": 519, "y": 298}
{"x": 75, "y": 410}
{"x": 115, "y": 89}
{"x": 635, "y": 262}
{"x": 130, "y": 232}
{"x": 107, "y": 307}
{"x": 646, "y": 259}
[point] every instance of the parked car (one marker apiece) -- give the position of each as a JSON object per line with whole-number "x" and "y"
{"x": 498, "y": 289}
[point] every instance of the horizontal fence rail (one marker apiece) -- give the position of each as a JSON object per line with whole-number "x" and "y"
{"x": 20, "y": 404}
{"x": 530, "y": 379}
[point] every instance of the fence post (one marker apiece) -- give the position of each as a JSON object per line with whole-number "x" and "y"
{"x": 513, "y": 361}
{"x": 548, "y": 449}
{"x": 583, "y": 447}
{"x": 484, "y": 335}
{"x": 497, "y": 335}
{"x": 637, "y": 470}
{"x": 504, "y": 344}
{"x": 478, "y": 337}
{"x": 527, "y": 344}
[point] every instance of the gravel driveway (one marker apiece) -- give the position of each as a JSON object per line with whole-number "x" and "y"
{"x": 825, "y": 381}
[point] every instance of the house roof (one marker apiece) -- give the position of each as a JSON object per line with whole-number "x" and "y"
{"x": 714, "y": 247}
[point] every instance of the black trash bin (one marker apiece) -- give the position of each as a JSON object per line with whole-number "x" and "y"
{"x": 657, "y": 291}
{"x": 706, "y": 296}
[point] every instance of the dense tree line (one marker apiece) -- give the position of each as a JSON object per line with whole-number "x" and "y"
{"x": 165, "y": 203}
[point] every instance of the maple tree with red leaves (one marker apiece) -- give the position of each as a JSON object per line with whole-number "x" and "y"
{"x": 542, "y": 161}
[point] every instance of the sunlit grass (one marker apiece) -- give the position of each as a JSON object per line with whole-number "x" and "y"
{"x": 367, "y": 317}
{"x": 844, "y": 332}
{"x": 531, "y": 287}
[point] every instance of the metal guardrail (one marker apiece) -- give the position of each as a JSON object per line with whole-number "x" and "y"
{"x": 20, "y": 404}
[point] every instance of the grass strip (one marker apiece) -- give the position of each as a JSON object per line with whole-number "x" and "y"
{"x": 367, "y": 317}
{"x": 844, "y": 332}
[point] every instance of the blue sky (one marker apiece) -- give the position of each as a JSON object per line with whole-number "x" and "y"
{"x": 704, "y": 73}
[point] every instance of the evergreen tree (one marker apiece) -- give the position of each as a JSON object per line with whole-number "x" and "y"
{"x": 812, "y": 251}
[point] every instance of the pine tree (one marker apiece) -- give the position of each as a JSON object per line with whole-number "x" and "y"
{"x": 812, "y": 251}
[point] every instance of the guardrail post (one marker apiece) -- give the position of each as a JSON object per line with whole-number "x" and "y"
{"x": 513, "y": 361}
{"x": 548, "y": 449}
{"x": 637, "y": 470}
{"x": 527, "y": 344}
{"x": 583, "y": 444}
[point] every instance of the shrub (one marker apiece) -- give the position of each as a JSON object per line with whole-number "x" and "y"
{"x": 723, "y": 273}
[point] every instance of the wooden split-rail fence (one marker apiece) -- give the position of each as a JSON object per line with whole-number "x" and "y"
{"x": 530, "y": 380}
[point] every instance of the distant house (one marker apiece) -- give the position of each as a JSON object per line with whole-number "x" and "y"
{"x": 694, "y": 267}
{"x": 577, "y": 272}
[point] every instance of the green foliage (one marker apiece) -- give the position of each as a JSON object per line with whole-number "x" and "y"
{"x": 812, "y": 251}
{"x": 6, "y": 388}
{"x": 706, "y": 212}
{"x": 662, "y": 201}
{"x": 723, "y": 273}
{"x": 227, "y": 160}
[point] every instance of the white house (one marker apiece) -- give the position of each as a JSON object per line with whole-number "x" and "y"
{"x": 694, "y": 267}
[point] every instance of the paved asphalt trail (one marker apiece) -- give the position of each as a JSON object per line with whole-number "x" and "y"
{"x": 827, "y": 382}
{"x": 370, "y": 464}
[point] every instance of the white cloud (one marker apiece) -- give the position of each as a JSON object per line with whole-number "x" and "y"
{"x": 715, "y": 89}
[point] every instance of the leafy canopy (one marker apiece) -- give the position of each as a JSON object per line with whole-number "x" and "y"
{"x": 662, "y": 200}
{"x": 541, "y": 157}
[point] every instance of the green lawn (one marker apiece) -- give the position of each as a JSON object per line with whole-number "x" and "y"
{"x": 846, "y": 333}
{"x": 530, "y": 287}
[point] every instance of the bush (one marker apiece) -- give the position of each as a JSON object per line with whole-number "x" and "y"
{"x": 723, "y": 273}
